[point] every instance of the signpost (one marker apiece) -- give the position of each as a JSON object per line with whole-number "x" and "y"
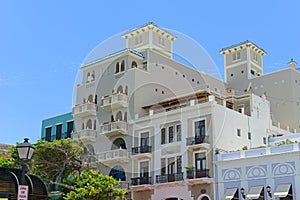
{"x": 23, "y": 192}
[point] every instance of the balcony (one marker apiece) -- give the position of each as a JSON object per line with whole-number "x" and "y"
{"x": 114, "y": 101}
{"x": 198, "y": 174}
{"x": 85, "y": 135}
{"x": 114, "y": 156}
{"x": 142, "y": 151}
{"x": 85, "y": 109}
{"x": 140, "y": 181}
{"x": 196, "y": 142}
{"x": 112, "y": 129}
{"x": 169, "y": 178}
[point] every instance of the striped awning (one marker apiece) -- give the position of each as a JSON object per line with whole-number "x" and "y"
{"x": 254, "y": 192}
{"x": 282, "y": 190}
{"x": 230, "y": 192}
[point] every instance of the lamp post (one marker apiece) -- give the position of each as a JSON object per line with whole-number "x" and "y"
{"x": 25, "y": 152}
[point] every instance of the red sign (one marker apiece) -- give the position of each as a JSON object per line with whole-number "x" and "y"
{"x": 23, "y": 192}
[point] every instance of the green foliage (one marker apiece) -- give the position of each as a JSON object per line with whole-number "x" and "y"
{"x": 189, "y": 169}
{"x": 91, "y": 185}
{"x": 56, "y": 160}
{"x": 287, "y": 141}
{"x": 6, "y": 162}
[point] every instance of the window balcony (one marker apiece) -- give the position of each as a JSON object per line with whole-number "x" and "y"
{"x": 142, "y": 151}
{"x": 196, "y": 142}
{"x": 85, "y": 135}
{"x": 85, "y": 109}
{"x": 116, "y": 128}
{"x": 140, "y": 181}
{"x": 114, "y": 156}
{"x": 198, "y": 174}
{"x": 114, "y": 101}
{"x": 169, "y": 178}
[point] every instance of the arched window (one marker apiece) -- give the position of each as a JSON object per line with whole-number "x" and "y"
{"x": 126, "y": 89}
{"x": 88, "y": 77}
{"x": 119, "y": 143}
{"x": 125, "y": 117}
{"x": 96, "y": 99}
{"x": 133, "y": 64}
{"x": 120, "y": 89}
{"x": 122, "y": 66}
{"x": 119, "y": 116}
{"x": 112, "y": 118}
{"x": 84, "y": 100}
{"x": 82, "y": 127}
{"x": 118, "y": 173}
{"x": 117, "y": 67}
{"x": 95, "y": 124}
{"x": 89, "y": 124}
{"x": 90, "y": 98}
{"x": 93, "y": 76}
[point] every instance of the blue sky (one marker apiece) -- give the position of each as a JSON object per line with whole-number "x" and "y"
{"x": 43, "y": 43}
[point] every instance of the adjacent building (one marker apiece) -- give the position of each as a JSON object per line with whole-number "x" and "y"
{"x": 57, "y": 127}
{"x": 262, "y": 173}
{"x": 156, "y": 124}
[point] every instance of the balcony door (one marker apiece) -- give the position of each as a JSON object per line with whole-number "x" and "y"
{"x": 144, "y": 142}
{"x": 199, "y": 131}
{"x": 200, "y": 165}
{"x": 171, "y": 169}
{"x": 144, "y": 172}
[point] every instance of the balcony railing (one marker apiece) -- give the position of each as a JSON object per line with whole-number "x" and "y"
{"x": 114, "y": 128}
{"x": 196, "y": 140}
{"x": 141, "y": 149}
{"x": 169, "y": 178}
{"x": 85, "y": 109}
{"x": 140, "y": 180}
{"x": 114, "y": 101}
{"x": 198, "y": 174}
{"x": 117, "y": 155}
{"x": 85, "y": 135}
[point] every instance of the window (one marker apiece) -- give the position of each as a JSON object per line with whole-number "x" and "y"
{"x": 200, "y": 129}
{"x": 171, "y": 134}
{"x": 252, "y": 72}
{"x": 122, "y": 66}
{"x": 163, "y": 166}
{"x": 70, "y": 128}
{"x": 200, "y": 164}
{"x": 236, "y": 56}
{"x": 163, "y": 135}
{"x": 249, "y": 136}
{"x": 133, "y": 64}
{"x": 264, "y": 140}
{"x": 238, "y": 132}
{"x": 144, "y": 169}
{"x": 179, "y": 164}
{"x": 48, "y": 133}
{"x": 117, "y": 67}
{"x": 58, "y": 131}
{"x": 178, "y": 132}
{"x": 145, "y": 139}
{"x": 145, "y": 65}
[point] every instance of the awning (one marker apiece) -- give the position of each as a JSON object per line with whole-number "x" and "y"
{"x": 230, "y": 192}
{"x": 254, "y": 192}
{"x": 282, "y": 190}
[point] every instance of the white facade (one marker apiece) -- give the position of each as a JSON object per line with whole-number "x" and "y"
{"x": 143, "y": 118}
{"x": 276, "y": 168}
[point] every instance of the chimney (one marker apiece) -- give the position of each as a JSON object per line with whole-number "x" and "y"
{"x": 292, "y": 64}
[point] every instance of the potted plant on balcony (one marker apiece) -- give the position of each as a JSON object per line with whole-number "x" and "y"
{"x": 189, "y": 172}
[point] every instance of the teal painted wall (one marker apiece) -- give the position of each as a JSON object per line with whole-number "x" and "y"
{"x": 53, "y": 121}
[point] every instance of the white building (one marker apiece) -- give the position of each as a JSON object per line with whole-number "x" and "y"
{"x": 263, "y": 173}
{"x": 144, "y": 118}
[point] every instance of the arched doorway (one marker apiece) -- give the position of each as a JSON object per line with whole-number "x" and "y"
{"x": 118, "y": 173}
{"x": 119, "y": 143}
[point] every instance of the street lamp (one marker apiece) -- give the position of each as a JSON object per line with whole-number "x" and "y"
{"x": 25, "y": 152}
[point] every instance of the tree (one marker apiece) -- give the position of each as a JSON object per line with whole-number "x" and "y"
{"x": 57, "y": 160}
{"x": 6, "y": 162}
{"x": 91, "y": 185}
